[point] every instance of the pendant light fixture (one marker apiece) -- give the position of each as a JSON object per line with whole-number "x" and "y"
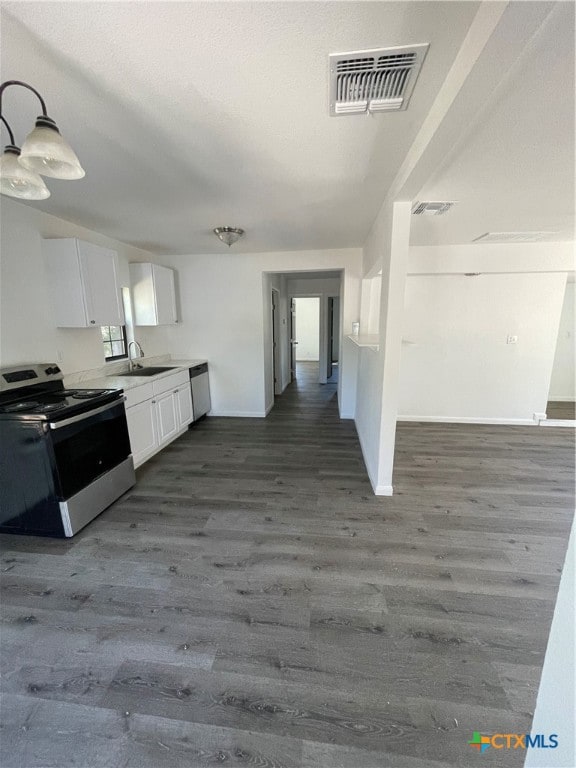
{"x": 15, "y": 180}
{"x": 228, "y": 235}
{"x": 44, "y": 152}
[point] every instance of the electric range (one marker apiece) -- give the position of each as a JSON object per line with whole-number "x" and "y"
{"x": 64, "y": 453}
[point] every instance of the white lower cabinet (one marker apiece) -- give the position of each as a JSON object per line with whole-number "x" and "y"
{"x": 161, "y": 417}
{"x": 142, "y": 430}
{"x": 166, "y": 417}
{"x": 184, "y": 404}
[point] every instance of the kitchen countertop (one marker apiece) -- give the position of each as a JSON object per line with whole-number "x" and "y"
{"x": 118, "y": 381}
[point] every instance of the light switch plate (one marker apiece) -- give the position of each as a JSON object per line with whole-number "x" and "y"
{"x": 511, "y": 339}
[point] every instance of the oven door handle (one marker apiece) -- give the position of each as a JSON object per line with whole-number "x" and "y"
{"x": 85, "y": 415}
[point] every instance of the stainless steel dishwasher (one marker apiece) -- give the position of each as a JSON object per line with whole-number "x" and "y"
{"x": 200, "y": 390}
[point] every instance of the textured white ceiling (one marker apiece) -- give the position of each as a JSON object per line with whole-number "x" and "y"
{"x": 514, "y": 171}
{"x": 192, "y": 115}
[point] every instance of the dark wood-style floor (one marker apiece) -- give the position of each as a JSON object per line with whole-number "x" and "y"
{"x": 251, "y": 603}
{"x": 557, "y": 409}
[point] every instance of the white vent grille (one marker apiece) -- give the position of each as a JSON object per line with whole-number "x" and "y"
{"x": 380, "y": 80}
{"x": 513, "y": 237}
{"x": 436, "y": 208}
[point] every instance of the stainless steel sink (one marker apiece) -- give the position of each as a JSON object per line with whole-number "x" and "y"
{"x": 150, "y": 371}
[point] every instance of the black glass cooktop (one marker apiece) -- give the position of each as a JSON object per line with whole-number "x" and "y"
{"x": 61, "y": 401}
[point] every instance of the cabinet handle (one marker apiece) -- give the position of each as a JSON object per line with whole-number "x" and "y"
{"x": 93, "y": 322}
{"x": 153, "y": 402}
{"x": 175, "y": 392}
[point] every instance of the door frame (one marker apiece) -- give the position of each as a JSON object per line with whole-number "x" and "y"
{"x": 276, "y": 343}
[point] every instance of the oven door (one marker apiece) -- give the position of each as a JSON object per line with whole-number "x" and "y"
{"x": 88, "y": 445}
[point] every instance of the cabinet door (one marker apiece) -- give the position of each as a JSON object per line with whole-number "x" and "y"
{"x": 165, "y": 295}
{"x": 184, "y": 401}
{"x": 166, "y": 419}
{"x": 63, "y": 275}
{"x": 101, "y": 286}
{"x": 142, "y": 431}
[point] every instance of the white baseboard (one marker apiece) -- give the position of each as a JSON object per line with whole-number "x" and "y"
{"x": 384, "y": 490}
{"x": 558, "y": 399}
{"x": 240, "y": 414}
{"x": 468, "y": 420}
{"x": 269, "y": 408}
{"x": 571, "y": 423}
{"x": 346, "y": 415}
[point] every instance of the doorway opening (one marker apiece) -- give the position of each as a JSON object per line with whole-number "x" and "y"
{"x": 305, "y": 336}
{"x": 302, "y": 328}
{"x": 333, "y": 334}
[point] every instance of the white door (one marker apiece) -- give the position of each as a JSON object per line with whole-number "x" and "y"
{"x": 165, "y": 295}
{"x": 166, "y": 420}
{"x": 184, "y": 405}
{"x": 142, "y": 431}
{"x": 101, "y": 287}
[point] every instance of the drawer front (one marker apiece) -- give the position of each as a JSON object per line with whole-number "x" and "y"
{"x": 138, "y": 395}
{"x": 171, "y": 382}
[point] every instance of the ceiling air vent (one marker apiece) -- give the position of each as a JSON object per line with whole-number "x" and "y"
{"x": 513, "y": 237}
{"x": 380, "y": 80}
{"x": 436, "y": 208}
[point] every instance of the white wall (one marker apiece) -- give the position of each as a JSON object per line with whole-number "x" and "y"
{"x": 225, "y": 301}
{"x": 307, "y": 328}
{"x": 456, "y": 364}
{"x": 496, "y": 258}
{"x": 386, "y": 250}
{"x": 562, "y": 385}
{"x": 27, "y": 327}
{"x": 556, "y": 701}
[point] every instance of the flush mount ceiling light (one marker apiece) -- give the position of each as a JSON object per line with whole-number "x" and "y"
{"x": 228, "y": 235}
{"x": 44, "y": 153}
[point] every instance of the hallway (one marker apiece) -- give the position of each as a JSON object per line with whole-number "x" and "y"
{"x": 251, "y": 602}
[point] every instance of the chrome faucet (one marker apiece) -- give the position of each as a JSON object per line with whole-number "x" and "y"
{"x": 133, "y": 364}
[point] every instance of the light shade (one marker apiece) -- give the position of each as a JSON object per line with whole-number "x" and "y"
{"x": 228, "y": 235}
{"x": 45, "y": 151}
{"x": 17, "y": 181}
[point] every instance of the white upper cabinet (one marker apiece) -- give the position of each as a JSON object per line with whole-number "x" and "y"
{"x": 84, "y": 283}
{"x": 154, "y": 294}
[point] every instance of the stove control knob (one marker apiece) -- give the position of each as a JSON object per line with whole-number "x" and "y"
{"x": 56, "y": 369}
{"x": 49, "y": 371}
